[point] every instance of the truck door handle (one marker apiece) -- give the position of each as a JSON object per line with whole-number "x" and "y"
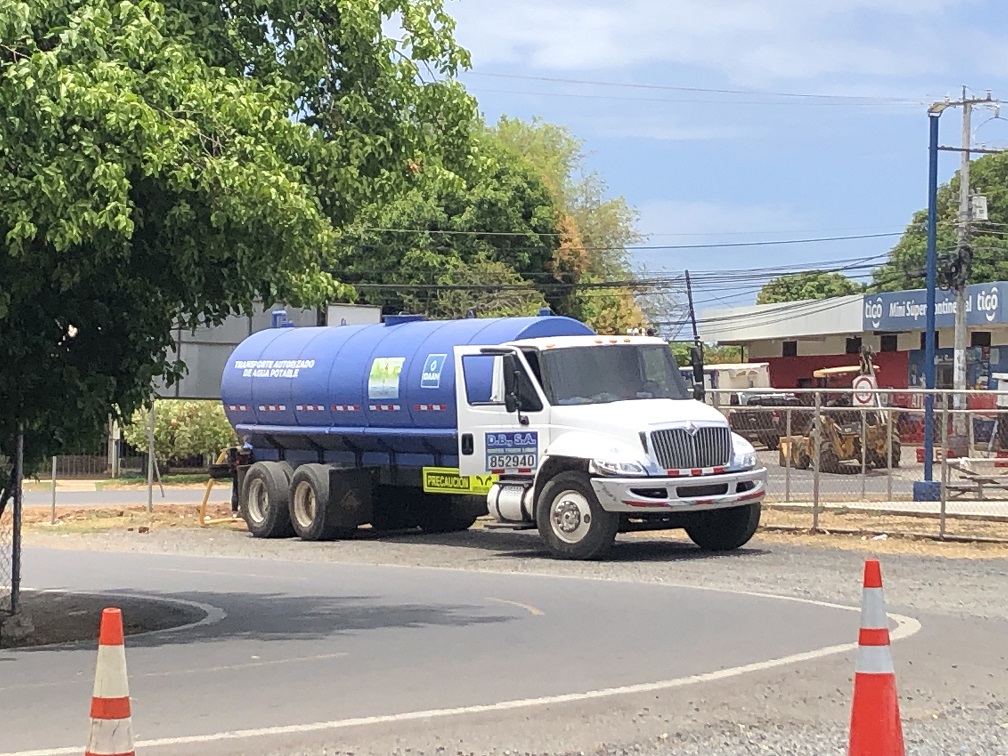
{"x": 467, "y": 443}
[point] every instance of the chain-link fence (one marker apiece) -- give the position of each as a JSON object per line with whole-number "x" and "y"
{"x": 6, "y": 559}
{"x": 10, "y": 529}
{"x": 835, "y": 463}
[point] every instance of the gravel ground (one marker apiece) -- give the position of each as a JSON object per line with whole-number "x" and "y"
{"x": 952, "y": 676}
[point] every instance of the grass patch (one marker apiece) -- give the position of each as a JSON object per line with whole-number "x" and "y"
{"x": 174, "y": 479}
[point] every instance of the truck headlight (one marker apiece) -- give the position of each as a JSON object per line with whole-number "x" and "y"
{"x": 612, "y": 467}
{"x": 748, "y": 461}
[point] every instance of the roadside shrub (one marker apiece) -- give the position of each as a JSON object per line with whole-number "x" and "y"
{"x": 182, "y": 430}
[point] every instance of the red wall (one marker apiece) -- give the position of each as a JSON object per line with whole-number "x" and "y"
{"x": 892, "y": 368}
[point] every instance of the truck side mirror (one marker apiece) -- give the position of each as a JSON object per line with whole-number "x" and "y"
{"x": 696, "y": 360}
{"x": 510, "y": 367}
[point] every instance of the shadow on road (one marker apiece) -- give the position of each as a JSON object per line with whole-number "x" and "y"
{"x": 280, "y": 617}
{"x": 509, "y": 544}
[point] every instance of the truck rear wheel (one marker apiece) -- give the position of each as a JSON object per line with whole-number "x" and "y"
{"x": 724, "y": 529}
{"x": 570, "y": 519}
{"x": 311, "y": 512}
{"x": 265, "y": 499}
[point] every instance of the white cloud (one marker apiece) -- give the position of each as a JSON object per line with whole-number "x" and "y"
{"x": 749, "y": 42}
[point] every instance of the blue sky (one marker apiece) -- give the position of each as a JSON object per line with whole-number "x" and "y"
{"x": 705, "y": 167}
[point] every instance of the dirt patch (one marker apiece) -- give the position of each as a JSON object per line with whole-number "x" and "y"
{"x": 59, "y": 617}
{"x": 873, "y": 523}
{"x": 130, "y": 518}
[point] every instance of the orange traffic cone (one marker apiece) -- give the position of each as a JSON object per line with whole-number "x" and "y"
{"x": 875, "y": 719}
{"x": 111, "y": 722}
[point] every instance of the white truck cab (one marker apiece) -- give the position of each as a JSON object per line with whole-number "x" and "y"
{"x": 593, "y": 435}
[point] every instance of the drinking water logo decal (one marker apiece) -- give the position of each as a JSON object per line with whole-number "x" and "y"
{"x": 383, "y": 380}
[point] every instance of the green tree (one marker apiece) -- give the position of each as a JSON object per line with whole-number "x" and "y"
{"x": 905, "y": 268}
{"x": 813, "y": 284}
{"x": 173, "y": 162}
{"x": 490, "y": 212}
{"x": 599, "y": 229}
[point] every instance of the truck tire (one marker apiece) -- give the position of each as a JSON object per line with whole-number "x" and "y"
{"x": 265, "y": 496}
{"x": 724, "y": 529}
{"x": 310, "y": 511}
{"x": 570, "y": 519}
{"x": 443, "y": 514}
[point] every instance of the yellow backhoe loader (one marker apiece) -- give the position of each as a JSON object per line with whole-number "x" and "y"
{"x": 844, "y": 424}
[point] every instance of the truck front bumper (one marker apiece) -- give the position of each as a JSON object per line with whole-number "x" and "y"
{"x": 658, "y": 495}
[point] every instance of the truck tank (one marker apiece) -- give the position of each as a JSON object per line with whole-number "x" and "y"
{"x": 350, "y": 393}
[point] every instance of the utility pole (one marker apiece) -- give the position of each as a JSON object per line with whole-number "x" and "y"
{"x": 963, "y": 263}
{"x": 692, "y": 312}
{"x": 963, "y": 269}
{"x": 696, "y": 353}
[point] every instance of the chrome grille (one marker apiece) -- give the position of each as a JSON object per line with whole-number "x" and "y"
{"x": 678, "y": 449}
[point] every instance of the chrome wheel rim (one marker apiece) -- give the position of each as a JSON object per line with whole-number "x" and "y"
{"x": 305, "y": 504}
{"x": 570, "y": 517}
{"x": 257, "y": 502}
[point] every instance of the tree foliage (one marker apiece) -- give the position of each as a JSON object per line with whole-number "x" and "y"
{"x": 713, "y": 355}
{"x": 905, "y": 268}
{"x": 174, "y": 161}
{"x": 182, "y": 430}
{"x": 595, "y": 229}
{"x": 813, "y": 284}
{"x": 490, "y": 213}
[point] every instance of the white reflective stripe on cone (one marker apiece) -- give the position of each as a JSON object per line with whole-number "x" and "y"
{"x": 110, "y": 736}
{"x": 874, "y": 660}
{"x": 873, "y": 613}
{"x": 110, "y": 674}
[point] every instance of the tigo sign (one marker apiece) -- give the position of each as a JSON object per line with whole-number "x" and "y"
{"x": 907, "y": 310}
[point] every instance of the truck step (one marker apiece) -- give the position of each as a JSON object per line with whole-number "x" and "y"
{"x": 510, "y": 526}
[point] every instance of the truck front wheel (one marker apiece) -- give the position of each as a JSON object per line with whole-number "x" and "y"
{"x": 570, "y": 519}
{"x": 265, "y": 500}
{"x": 724, "y": 529}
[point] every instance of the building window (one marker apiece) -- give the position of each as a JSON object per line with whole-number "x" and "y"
{"x": 890, "y": 342}
{"x": 923, "y": 340}
{"x": 980, "y": 339}
{"x": 789, "y": 349}
{"x": 853, "y": 345}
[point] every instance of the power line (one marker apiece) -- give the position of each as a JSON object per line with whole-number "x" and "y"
{"x": 654, "y": 247}
{"x": 682, "y": 101}
{"x": 708, "y": 90}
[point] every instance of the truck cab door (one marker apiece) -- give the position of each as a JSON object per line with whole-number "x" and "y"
{"x": 495, "y": 435}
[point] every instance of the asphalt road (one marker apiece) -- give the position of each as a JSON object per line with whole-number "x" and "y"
{"x": 298, "y": 644}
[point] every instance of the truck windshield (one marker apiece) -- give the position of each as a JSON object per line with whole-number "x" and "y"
{"x": 602, "y": 374}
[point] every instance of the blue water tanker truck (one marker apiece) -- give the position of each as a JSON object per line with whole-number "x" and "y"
{"x": 538, "y": 421}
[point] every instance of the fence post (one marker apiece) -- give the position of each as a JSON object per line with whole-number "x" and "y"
{"x": 889, "y": 448}
{"x": 150, "y": 462}
{"x": 15, "y": 597}
{"x": 817, "y": 442}
{"x": 787, "y": 460}
{"x": 864, "y": 452}
{"x": 945, "y": 468}
{"x": 53, "y": 519}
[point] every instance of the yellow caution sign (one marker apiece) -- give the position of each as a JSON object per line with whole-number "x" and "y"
{"x": 446, "y": 480}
